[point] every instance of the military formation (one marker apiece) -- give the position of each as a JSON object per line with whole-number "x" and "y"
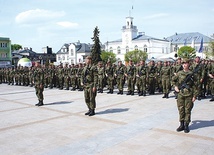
{"x": 189, "y": 79}
{"x": 142, "y": 79}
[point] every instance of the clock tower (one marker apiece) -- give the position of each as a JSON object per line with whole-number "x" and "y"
{"x": 129, "y": 31}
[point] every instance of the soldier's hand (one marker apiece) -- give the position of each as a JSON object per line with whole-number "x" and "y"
{"x": 176, "y": 89}
{"x": 94, "y": 89}
{"x": 193, "y": 99}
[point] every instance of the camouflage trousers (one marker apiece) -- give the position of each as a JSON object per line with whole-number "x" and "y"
{"x": 120, "y": 83}
{"x": 90, "y": 97}
{"x": 185, "y": 105}
{"x": 39, "y": 92}
{"x": 166, "y": 85}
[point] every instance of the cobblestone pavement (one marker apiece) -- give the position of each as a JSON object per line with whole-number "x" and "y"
{"x": 123, "y": 125}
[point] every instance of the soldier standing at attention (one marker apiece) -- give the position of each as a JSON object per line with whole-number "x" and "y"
{"x": 211, "y": 76}
{"x": 165, "y": 74}
{"x": 152, "y": 72}
{"x": 110, "y": 77}
{"x": 187, "y": 93}
{"x": 199, "y": 75}
{"x": 120, "y": 76}
{"x": 141, "y": 74}
{"x": 89, "y": 82}
{"x": 101, "y": 76}
{"x": 38, "y": 79}
{"x": 131, "y": 77}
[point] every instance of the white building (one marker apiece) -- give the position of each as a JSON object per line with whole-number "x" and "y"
{"x": 73, "y": 53}
{"x": 132, "y": 39}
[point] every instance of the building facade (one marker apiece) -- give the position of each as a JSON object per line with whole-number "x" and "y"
{"x": 43, "y": 58}
{"x": 73, "y": 53}
{"x": 134, "y": 40}
{"x": 5, "y": 52}
{"x": 193, "y": 39}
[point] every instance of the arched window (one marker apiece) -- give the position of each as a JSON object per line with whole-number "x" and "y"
{"x": 110, "y": 49}
{"x": 145, "y": 48}
{"x": 136, "y": 47}
{"x": 118, "y": 50}
{"x": 127, "y": 49}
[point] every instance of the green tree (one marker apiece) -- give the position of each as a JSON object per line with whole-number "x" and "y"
{"x": 210, "y": 52}
{"x": 15, "y": 47}
{"x": 96, "y": 48}
{"x": 186, "y": 52}
{"x": 108, "y": 56}
{"x": 136, "y": 56}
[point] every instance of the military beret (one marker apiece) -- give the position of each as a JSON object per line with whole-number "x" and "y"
{"x": 185, "y": 60}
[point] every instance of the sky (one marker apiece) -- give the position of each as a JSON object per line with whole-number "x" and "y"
{"x": 39, "y": 23}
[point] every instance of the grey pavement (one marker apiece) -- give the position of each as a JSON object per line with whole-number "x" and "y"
{"x": 123, "y": 125}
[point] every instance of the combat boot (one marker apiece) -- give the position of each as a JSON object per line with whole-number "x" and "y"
{"x": 167, "y": 95}
{"x": 212, "y": 99}
{"x": 92, "y": 113}
{"x": 186, "y": 127}
{"x": 119, "y": 92}
{"x": 181, "y": 127}
{"x": 129, "y": 93}
{"x": 164, "y": 96}
{"x": 132, "y": 93}
{"x": 40, "y": 103}
{"x": 89, "y": 111}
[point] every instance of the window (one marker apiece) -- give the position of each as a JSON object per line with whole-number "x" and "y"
{"x": 111, "y": 49}
{"x": 145, "y": 48}
{"x": 118, "y": 50}
{"x": 136, "y": 47}
{"x": 127, "y": 49}
{"x": 63, "y": 57}
{"x": 162, "y": 49}
{"x": 72, "y": 52}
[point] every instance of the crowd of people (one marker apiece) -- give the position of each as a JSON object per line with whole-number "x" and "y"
{"x": 141, "y": 78}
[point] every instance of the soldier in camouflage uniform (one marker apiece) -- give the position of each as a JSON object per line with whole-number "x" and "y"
{"x": 158, "y": 78}
{"x": 199, "y": 75}
{"x": 73, "y": 77}
{"x": 120, "y": 76}
{"x": 1, "y": 75}
{"x": 89, "y": 82}
{"x": 101, "y": 76}
{"x": 142, "y": 74}
{"x": 79, "y": 76}
{"x": 151, "y": 75}
{"x": 165, "y": 74}
{"x": 60, "y": 75}
{"x": 66, "y": 77}
{"x": 39, "y": 83}
{"x": 109, "y": 71}
{"x": 130, "y": 77}
{"x": 211, "y": 76}
{"x": 187, "y": 94}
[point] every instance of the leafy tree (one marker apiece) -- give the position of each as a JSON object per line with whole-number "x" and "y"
{"x": 15, "y": 47}
{"x": 96, "y": 48}
{"x": 210, "y": 52}
{"x": 108, "y": 56}
{"x": 136, "y": 56}
{"x": 186, "y": 52}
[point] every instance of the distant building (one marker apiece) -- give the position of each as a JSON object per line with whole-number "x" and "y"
{"x": 193, "y": 39}
{"x": 5, "y": 52}
{"x": 134, "y": 40}
{"x": 42, "y": 58}
{"x": 73, "y": 53}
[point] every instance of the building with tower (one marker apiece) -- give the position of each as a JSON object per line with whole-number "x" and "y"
{"x": 134, "y": 40}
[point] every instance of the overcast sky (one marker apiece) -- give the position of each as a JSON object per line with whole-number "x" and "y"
{"x": 40, "y": 23}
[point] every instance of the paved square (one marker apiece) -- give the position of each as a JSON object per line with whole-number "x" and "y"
{"x": 123, "y": 125}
